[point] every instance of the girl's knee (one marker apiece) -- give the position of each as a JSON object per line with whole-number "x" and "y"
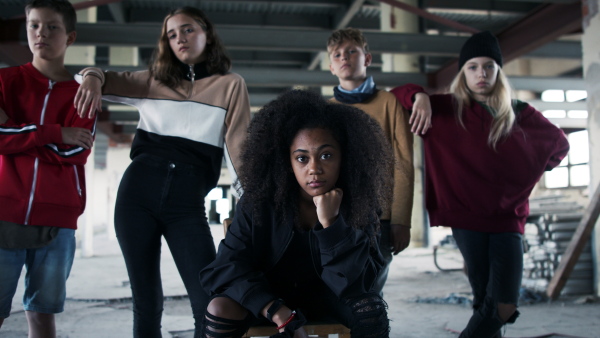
{"x": 225, "y": 318}
{"x": 507, "y": 312}
{"x": 226, "y": 308}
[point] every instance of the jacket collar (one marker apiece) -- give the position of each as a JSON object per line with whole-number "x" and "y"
{"x": 198, "y": 71}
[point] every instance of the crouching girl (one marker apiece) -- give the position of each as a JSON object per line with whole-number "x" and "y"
{"x": 304, "y": 241}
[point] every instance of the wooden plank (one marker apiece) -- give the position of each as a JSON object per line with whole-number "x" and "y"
{"x": 580, "y": 238}
{"x": 313, "y": 329}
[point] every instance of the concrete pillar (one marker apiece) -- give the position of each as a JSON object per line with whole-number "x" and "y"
{"x": 123, "y": 56}
{"x": 86, "y": 221}
{"x": 397, "y": 20}
{"x": 117, "y": 160}
{"x": 85, "y": 55}
{"x": 591, "y": 70}
{"x": 82, "y": 55}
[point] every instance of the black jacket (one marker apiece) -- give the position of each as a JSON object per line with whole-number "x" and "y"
{"x": 343, "y": 256}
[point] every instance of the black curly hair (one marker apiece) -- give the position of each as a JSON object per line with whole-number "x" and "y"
{"x": 367, "y": 162}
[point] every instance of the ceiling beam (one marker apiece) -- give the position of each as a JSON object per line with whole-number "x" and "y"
{"x": 117, "y": 11}
{"x": 279, "y": 39}
{"x": 285, "y": 78}
{"x": 80, "y": 5}
{"x": 429, "y": 16}
{"x": 542, "y": 105}
{"x": 546, "y": 24}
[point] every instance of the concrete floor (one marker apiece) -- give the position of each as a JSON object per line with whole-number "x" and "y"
{"x": 99, "y": 304}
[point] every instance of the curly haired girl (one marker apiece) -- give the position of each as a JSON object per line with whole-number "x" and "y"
{"x": 303, "y": 243}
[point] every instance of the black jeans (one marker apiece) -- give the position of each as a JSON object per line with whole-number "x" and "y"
{"x": 385, "y": 246}
{"x": 156, "y": 198}
{"x": 495, "y": 269}
{"x": 494, "y": 264}
{"x": 365, "y": 315}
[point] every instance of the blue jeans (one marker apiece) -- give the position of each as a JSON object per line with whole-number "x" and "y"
{"x": 48, "y": 268}
{"x": 156, "y": 198}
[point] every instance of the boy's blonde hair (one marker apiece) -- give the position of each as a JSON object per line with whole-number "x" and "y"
{"x": 347, "y": 34}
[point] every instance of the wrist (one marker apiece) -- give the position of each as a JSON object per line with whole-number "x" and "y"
{"x": 94, "y": 73}
{"x": 329, "y": 222}
{"x": 287, "y": 321}
{"x": 420, "y": 95}
{"x": 282, "y": 315}
{"x": 273, "y": 307}
{"x": 92, "y": 76}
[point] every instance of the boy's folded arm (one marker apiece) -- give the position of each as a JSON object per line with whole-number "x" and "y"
{"x": 69, "y": 150}
{"x": 43, "y": 141}
{"x": 18, "y": 138}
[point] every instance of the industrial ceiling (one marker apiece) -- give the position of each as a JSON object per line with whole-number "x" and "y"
{"x": 278, "y": 44}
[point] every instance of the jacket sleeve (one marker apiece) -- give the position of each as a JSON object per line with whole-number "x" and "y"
{"x": 121, "y": 87}
{"x": 404, "y": 180}
{"x": 405, "y": 94}
{"x": 350, "y": 261}
{"x": 18, "y": 138}
{"x": 236, "y": 123}
{"x": 557, "y": 144}
{"x": 60, "y": 153}
{"x": 561, "y": 149}
{"x": 233, "y": 273}
{"x": 43, "y": 141}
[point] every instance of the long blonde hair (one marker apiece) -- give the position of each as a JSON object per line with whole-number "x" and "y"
{"x": 499, "y": 101}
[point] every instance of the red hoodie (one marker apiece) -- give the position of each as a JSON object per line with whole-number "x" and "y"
{"x": 468, "y": 184}
{"x": 41, "y": 180}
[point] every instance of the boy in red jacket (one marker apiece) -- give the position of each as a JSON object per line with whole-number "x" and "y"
{"x": 43, "y": 147}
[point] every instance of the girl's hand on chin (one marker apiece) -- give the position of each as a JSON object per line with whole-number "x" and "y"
{"x": 328, "y": 206}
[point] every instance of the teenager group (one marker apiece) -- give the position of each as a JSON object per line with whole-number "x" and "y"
{"x": 325, "y": 191}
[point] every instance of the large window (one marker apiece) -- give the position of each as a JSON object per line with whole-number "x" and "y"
{"x": 574, "y": 170}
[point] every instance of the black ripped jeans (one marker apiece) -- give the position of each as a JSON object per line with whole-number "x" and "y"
{"x": 365, "y": 315}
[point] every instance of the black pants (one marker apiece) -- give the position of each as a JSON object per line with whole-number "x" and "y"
{"x": 385, "y": 246}
{"x": 156, "y": 198}
{"x": 495, "y": 269}
{"x": 364, "y": 315}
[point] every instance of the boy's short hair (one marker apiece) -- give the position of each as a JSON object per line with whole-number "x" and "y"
{"x": 347, "y": 34}
{"x": 62, "y": 7}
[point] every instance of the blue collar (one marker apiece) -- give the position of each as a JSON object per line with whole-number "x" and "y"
{"x": 366, "y": 87}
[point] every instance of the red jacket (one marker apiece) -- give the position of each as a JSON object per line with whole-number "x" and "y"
{"x": 41, "y": 180}
{"x": 468, "y": 184}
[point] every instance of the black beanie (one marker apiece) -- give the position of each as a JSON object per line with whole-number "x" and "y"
{"x": 480, "y": 44}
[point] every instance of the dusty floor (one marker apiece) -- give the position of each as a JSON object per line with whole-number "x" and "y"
{"x": 99, "y": 303}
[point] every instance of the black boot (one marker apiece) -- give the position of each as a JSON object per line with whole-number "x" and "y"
{"x": 481, "y": 326}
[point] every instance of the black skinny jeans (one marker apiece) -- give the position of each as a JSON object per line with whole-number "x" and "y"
{"x": 494, "y": 264}
{"x": 156, "y": 198}
{"x": 495, "y": 268}
{"x": 365, "y": 315}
